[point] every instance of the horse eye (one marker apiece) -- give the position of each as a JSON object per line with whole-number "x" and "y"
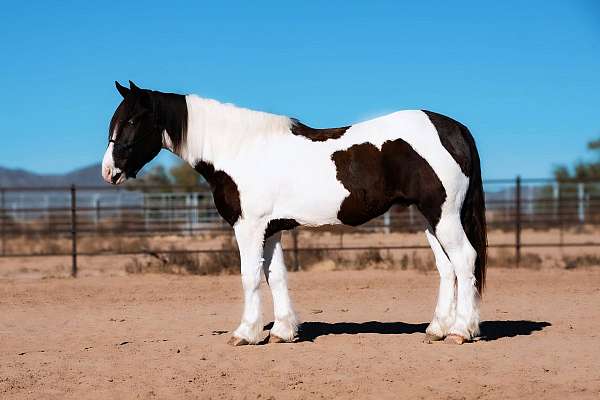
{"x": 130, "y": 122}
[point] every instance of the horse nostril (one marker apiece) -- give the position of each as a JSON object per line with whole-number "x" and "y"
{"x": 116, "y": 177}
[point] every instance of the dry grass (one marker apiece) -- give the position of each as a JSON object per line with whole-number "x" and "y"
{"x": 505, "y": 258}
{"x": 369, "y": 259}
{"x": 227, "y": 260}
{"x": 586, "y": 260}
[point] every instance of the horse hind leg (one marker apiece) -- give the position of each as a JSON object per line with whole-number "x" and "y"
{"x": 462, "y": 255}
{"x": 445, "y": 309}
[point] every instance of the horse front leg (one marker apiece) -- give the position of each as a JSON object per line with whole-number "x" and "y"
{"x": 285, "y": 327}
{"x": 250, "y": 237}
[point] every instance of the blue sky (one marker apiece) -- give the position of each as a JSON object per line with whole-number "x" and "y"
{"x": 523, "y": 75}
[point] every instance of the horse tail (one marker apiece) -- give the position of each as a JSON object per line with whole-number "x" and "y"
{"x": 473, "y": 213}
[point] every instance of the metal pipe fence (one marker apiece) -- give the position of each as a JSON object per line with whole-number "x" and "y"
{"x": 72, "y": 213}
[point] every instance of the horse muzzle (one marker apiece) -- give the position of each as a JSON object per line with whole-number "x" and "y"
{"x": 114, "y": 176}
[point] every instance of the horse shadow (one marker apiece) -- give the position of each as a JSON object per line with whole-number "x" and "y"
{"x": 490, "y": 330}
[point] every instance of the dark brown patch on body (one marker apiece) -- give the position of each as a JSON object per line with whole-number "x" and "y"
{"x": 377, "y": 179}
{"x": 225, "y": 191}
{"x": 317, "y": 135}
{"x": 455, "y": 138}
{"x": 278, "y": 225}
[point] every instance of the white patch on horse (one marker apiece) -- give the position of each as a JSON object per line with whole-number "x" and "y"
{"x": 108, "y": 166}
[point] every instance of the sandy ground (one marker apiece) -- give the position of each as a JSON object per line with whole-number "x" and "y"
{"x": 164, "y": 336}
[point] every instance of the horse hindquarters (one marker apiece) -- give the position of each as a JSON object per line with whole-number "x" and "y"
{"x": 461, "y": 229}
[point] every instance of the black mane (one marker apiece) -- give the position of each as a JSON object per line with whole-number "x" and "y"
{"x": 314, "y": 134}
{"x": 170, "y": 111}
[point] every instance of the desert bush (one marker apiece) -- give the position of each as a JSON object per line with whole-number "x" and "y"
{"x": 225, "y": 261}
{"x": 586, "y": 260}
{"x": 423, "y": 264}
{"x": 372, "y": 258}
{"x": 404, "y": 262}
{"x": 52, "y": 247}
{"x": 117, "y": 244}
{"x": 33, "y": 244}
{"x": 306, "y": 258}
{"x": 505, "y": 258}
{"x": 383, "y": 259}
{"x": 149, "y": 264}
{"x": 188, "y": 261}
{"x": 185, "y": 263}
{"x": 368, "y": 257}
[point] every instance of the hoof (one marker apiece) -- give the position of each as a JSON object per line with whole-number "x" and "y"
{"x": 235, "y": 341}
{"x": 429, "y": 338}
{"x": 454, "y": 339}
{"x": 277, "y": 339}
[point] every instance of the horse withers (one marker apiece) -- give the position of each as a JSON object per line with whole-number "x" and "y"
{"x": 270, "y": 173}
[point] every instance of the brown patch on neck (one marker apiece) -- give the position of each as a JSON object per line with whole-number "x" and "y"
{"x": 317, "y": 135}
{"x": 225, "y": 192}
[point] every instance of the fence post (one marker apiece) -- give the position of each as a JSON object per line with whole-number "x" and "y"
{"x": 555, "y": 197}
{"x": 518, "y": 220}
{"x": 580, "y": 205}
{"x": 561, "y": 221}
{"x": 295, "y": 249}
{"x": 97, "y": 214}
{"x": 2, "y": 218}
{"x": 73, "y": 231}
{"x": 386, "y": 222}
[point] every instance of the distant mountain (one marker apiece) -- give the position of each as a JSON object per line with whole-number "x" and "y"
{"x": 86, "y": 176}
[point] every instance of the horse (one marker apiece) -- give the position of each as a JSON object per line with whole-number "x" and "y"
{"x": 270, "y": 173}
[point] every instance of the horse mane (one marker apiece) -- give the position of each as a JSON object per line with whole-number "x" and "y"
{"x": 171, "y": 114}
{"x": 314, "y": 134}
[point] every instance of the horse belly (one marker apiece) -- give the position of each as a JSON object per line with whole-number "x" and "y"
{"x": 290, "y": 179}
{"x": 312, "y": 194}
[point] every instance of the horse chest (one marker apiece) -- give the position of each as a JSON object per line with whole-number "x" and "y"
{"x": 225, "y": 191}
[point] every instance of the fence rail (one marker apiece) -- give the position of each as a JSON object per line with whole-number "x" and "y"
{"x": 75, "y": 212}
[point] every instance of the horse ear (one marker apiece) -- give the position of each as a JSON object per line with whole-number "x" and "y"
{"x": 122, "y": 89}
{"x": 133, "y": 87}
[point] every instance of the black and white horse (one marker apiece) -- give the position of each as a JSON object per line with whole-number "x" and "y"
{"x": 270, "y": 173}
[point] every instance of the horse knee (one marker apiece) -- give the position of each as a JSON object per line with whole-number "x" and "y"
{"x": 276, "y": 280}
{"x": 447, "y": 274}
{"x": 468, "y": 257}
{"x": 250, "y": 282}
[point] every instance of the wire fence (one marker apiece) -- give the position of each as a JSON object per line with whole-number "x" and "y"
{"x": 60, "y": 216}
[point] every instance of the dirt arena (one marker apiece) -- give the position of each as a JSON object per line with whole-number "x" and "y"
{"x": 164, "y": 336}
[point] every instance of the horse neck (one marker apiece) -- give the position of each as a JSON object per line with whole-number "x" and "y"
{"x": 218, "y": 132}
